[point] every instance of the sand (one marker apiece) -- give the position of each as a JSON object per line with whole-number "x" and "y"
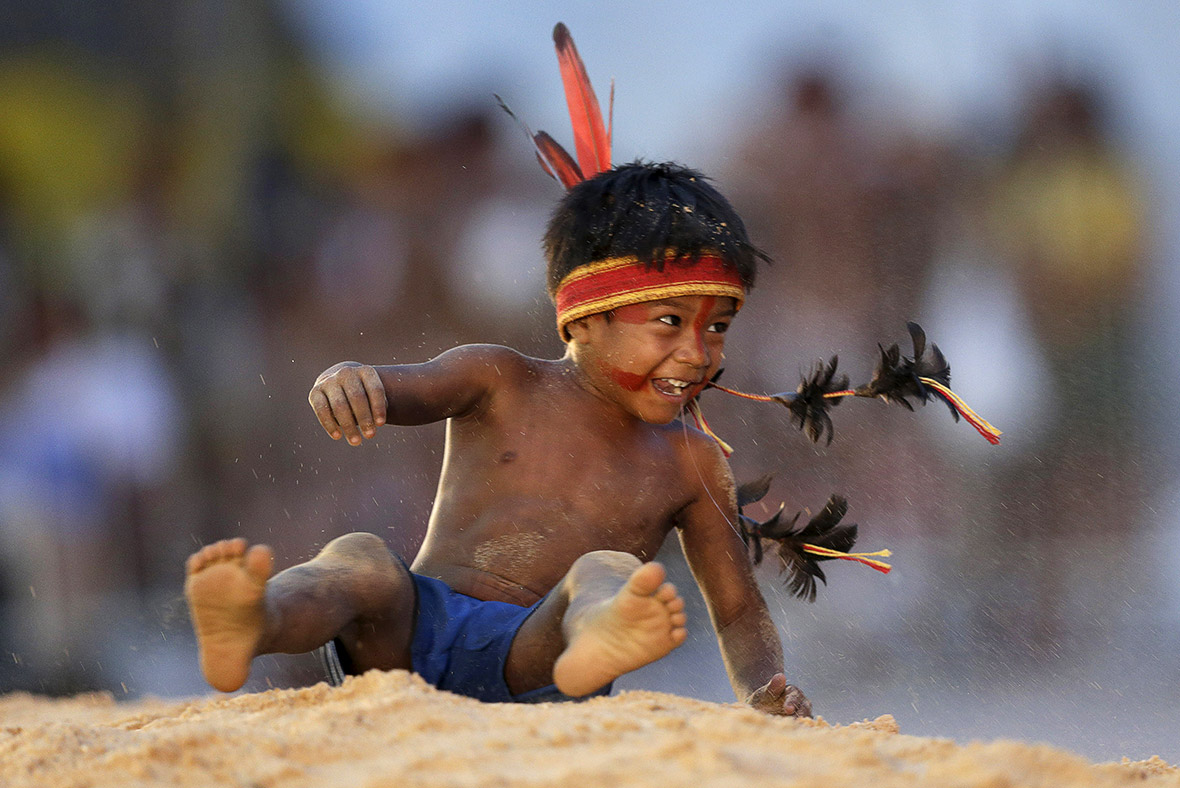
{"x": 391, "y": 729}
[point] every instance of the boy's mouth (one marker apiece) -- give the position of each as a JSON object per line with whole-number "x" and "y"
{"x": 673, "y": 387}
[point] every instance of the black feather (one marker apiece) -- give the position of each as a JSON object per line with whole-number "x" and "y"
{"x": 752, "y": 492}
{"x": 897, "y": 377}
{"x": 801, "y": 568}
{"x": 808, "y": 405}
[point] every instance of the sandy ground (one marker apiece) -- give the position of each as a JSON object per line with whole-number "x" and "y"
{"x": 390, "y": 729}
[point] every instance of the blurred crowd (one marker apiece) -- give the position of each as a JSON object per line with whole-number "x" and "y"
{"x": 192, "y": 227}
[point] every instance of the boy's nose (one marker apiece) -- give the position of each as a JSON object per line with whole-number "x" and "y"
{"x": 693, "y": 351}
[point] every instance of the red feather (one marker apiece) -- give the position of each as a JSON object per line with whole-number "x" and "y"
{"x": 556, "y": 161}
{"x": 590, "y": 136}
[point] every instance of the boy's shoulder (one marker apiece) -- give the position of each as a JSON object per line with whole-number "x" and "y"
{"x": 699, "y": 455}
{"x": 495, "y": 365}
{"x": 485, "y": 354}
{"x": 702, "y": 468}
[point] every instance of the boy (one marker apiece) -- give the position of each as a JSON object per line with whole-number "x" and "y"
{"x": 561, "y": 480}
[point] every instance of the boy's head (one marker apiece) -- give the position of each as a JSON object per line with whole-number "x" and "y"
{"x": 639, "y": 232}
{"x": 648, "y": 263}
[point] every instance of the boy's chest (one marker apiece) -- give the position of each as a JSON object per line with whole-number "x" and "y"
{"x": 599, "y": 479}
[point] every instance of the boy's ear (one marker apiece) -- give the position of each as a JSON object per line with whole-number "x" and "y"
{"x": 579, "y": 330}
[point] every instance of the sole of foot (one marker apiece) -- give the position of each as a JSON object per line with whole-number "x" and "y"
{"x": 643, "y": 622}
{"x": 225, "y": 585}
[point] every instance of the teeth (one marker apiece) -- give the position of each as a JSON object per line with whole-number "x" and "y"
{"x": 673, "y": 386}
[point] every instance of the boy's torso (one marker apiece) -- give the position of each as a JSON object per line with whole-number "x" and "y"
{"x": 542, "y": 473}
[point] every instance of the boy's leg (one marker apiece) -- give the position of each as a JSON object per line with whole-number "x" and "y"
{"x": 611, "y": 614}
{"x": 354, "y": 590}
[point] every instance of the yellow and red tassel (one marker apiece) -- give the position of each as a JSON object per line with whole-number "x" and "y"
{"x": 860, "y": 558}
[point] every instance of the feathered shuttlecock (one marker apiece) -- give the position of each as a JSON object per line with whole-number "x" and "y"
{"x": 896, "y": 379}
{"x": 800, "y": 550}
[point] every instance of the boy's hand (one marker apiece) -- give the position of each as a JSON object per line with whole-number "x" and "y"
{"x": 780, "y": 698}
{"x": 349, "y": 400}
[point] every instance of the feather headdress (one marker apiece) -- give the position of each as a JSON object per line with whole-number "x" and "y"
{"x": 592, "y": 138}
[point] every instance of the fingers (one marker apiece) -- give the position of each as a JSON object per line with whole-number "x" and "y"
{"x": 795, "y": 703}
{"x": 779, "y": 698}
{"x": 323, "y": 411}
{"x": 375, "y": 391}
{"x": 349, "y": 403}
{"x": 352, "y": 410}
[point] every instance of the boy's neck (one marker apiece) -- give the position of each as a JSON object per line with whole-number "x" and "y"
{"x": 573, "y": 371}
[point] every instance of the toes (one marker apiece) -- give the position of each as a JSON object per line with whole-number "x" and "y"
{"x": 203, "y": 557}
{"x": 679, "y": 635}
{"x": 218, "y": 551}
{"x": 678, "y": 620}
{"x": 259, "y": 562}
{"x": 676, "y": 604}
{"x": 225, "y": 550}
{"x": 233, "y": 548}
{"x": 646, "y": 580}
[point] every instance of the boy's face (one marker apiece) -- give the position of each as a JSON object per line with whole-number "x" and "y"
{"x": 652, "y": 358}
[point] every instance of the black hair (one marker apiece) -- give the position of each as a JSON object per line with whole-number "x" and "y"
{"x": 643, "y": 210}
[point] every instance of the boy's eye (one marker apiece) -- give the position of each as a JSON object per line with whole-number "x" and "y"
{"x": 671, "y": 320}
{"x": 719, "y": 328}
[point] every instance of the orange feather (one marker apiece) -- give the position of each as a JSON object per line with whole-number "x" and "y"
{"x": 591, "y": 141}
{"x": 556, "y": 161}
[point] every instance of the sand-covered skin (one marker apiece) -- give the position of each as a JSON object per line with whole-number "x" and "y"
{"x": 390, "y": 729}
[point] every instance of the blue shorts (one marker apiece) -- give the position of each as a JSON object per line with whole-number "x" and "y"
{"x": 460, "y": 645}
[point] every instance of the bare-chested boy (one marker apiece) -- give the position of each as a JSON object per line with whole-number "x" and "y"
{"x": 560, "y": 482}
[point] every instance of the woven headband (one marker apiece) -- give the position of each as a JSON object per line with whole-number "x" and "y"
{"x": 622, "y": 281}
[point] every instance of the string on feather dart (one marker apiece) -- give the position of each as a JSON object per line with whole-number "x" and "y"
{"x": 924, "y": 376}
{"x": 800, "y": 550}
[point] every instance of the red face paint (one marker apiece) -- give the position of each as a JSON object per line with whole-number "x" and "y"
{"x": 698, "y": 325}
{"x": 628, "y": 380}
{"x": 636, "y": 314}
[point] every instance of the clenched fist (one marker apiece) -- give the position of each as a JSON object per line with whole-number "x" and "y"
{"x": 349, "y": 400}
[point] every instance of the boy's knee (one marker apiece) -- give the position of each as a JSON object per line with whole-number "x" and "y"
{"x": 359, "y": 546}
{"x": 605, "y": 561}
{"x": 369, "y": 573}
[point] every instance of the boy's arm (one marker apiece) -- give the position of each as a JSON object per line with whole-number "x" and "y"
{"x": 352, "y": 399}
{"x": 717, "y": 557}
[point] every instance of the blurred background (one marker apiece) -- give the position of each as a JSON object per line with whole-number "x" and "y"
{"x": 203, "y": 204}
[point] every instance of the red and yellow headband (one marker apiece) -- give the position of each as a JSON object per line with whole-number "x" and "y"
{"x": 622, "y": 281}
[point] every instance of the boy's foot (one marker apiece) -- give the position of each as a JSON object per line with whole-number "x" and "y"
{"x": 641, "y": 623}
{"x": 225, "y": 586}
